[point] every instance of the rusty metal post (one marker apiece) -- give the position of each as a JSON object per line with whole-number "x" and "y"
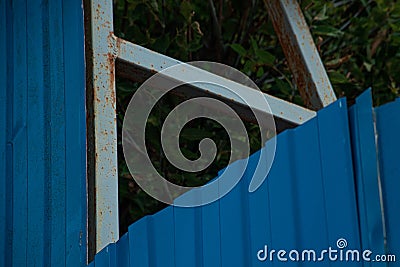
{"x": 301, "y": 53}
{"x": 103, "y": 106}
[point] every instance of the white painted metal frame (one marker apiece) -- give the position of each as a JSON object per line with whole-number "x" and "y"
{"x": 105, "y": 125}
{"x": 106, "y": 48}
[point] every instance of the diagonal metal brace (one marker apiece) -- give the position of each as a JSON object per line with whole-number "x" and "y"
{"x": 301, "y": 53}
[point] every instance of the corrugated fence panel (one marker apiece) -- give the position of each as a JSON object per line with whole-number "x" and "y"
{"x": 388, "y": 128}
{"x": 139, "y": 252}
{"x": 123, "y": 251}
{"x": 233, "y": 218}
{"x": 55, "y": 83}
{"x": 42, "y": 134}
{"x": 337, "y": 172}
{"x": 281, "y": 193}
{"x": 75, "y": 132}
{"x": 366, "y": 174}
{"x": 162, "y": 238}
{"x": 188, "y": 239}
{"x": 40, "y": 142}
{"x": 18, "y": 139}
{"x": 308, "y": 201}
{"x": 211, "y": 238}
{"x": 307, "y": 185}
{"x": 259, "y": 211}
{"x": 3, "y": 132}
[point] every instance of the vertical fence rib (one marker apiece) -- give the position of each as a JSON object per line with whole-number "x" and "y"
{"x": 365, "y": 169}
{"x": 388, "y": 128}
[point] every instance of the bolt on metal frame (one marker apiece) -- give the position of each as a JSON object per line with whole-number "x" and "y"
{"x": 110, "y": 54}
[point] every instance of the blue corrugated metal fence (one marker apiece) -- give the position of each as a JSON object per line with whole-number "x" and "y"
{"x": 335, "y": 177}
{"x": 42, "y": 134}
{"x": 323, "y": 187}
{"x": 388, "y": 128}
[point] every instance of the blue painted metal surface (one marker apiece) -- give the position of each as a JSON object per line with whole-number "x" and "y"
{"x": 310, "y": 199}
{"x": 376, "y": 147}
{"x": 388, "y": 128}
{"x": 366, "y": 174}
{"x": 42, "y": 134}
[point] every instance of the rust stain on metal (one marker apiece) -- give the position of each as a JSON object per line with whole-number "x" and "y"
{"x": 111, "y": 66}
{"x": 296, "y": 62}
{"x": 290, "y": 41}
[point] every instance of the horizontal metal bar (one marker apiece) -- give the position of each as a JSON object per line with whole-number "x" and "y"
{"x": 301, "y": 53}
{"x": 152, "y": 62}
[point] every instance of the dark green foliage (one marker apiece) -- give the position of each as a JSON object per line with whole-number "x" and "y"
{"x": 359, "y": 42}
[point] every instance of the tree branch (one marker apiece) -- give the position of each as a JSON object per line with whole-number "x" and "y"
{"x": 216, "y": 29}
